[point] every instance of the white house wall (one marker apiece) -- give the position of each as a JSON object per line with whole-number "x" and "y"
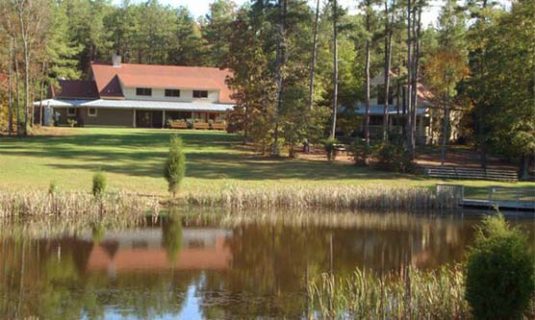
{"x": 186, "y": 95}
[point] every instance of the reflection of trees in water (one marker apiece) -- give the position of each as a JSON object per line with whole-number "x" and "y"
{"x": 50, "y": 281}
{"x": 267, "y": 276}
{"x": 172, "y": 237}
{"x": 270, "y": 261}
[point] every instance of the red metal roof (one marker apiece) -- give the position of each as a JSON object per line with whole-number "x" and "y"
{"x": 76, "y": 89}
{"x": 107, "y": 78}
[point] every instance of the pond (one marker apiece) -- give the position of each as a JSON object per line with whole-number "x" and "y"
{"x": 192, "y": 268}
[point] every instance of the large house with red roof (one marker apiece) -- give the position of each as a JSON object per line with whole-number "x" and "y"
{"x": 140, "y": 95}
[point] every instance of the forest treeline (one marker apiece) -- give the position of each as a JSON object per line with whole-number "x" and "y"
{"x": 300, "y": 67}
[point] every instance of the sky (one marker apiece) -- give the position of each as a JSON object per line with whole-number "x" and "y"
{"x": 200, "y": 7}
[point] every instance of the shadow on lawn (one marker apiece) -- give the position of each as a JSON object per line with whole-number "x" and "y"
{"x": 209, "y": 156}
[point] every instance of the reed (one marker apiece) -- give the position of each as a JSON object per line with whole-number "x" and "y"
{"x": 412, "y": 294}
{"x": 77, "y": 205}
{"x": 298, "y": 197}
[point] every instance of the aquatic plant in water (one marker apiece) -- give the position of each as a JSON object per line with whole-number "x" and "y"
{"x": 411, "y": 293}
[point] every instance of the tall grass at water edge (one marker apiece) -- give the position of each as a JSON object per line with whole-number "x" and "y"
{"x": 410, "y": 294}
{"x": 327, "y": 197}
{"x": 76, "y": 205}
{"x": 295, "y": 198}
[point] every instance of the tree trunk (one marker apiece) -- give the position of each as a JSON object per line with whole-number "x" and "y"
{"x": 314, "y": 58}
{"x": 280, "y": 61}
{"x": 414, "y": 78}
{"x": 444, "y": 133}
{"x": 388, "y": 56}
{"x": 367, "y": 75}
{"x": 10, "y": 89}
{"x": 408, "y": 122}
{"x": 23, "y": 28}
{"x": 335, "y": 69}
{"x": 524, "y": 167}
{"x": 17, "y": 91}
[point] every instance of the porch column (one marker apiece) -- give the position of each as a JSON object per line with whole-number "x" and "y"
{"x": 163, "y": 119}
{"x": 134, "y": 118}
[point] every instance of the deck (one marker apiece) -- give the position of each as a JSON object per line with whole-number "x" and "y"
{"x": 498, "y": 197}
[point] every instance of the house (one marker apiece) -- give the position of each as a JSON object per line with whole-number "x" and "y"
{"x": 142, "y": 250}
{"x": 140, "y": 95}
{"x": 396, "y": 109}
{"x": 429, "y": 116}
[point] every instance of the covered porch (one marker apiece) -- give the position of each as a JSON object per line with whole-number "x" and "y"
{"x": 135, "y": 113}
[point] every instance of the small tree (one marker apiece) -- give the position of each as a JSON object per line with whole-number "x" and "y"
{"x": 175, "y": 166}
{"x": 99, "y": 184}
{"x": 500, "y": 271}
{"x": 330, "y": 148}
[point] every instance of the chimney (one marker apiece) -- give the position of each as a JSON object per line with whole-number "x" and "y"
{"x": 116, "y": 60}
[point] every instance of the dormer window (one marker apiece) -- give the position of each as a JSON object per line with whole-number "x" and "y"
{"x": 172, "y": 93}
{"x": 143, "y": 92}
{"x": 200, "y": 94}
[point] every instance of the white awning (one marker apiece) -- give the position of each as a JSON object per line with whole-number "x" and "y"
{"x": 136, "y": 104}
{"x": 61, "y": 102}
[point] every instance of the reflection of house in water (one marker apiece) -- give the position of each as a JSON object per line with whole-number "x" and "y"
{"x": 142, "y": 250}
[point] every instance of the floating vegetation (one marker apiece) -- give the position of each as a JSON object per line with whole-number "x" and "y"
{"x": 329, "y": 197}
{"x": 409, "y": 294}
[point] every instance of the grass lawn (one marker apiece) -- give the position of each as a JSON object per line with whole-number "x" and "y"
{"x": 133, "y": 160}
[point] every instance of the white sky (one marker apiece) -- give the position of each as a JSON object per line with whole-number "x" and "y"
{"x": 200, "y": 7}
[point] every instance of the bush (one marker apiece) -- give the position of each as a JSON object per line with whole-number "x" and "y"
{"x": 499, "y": 272}
{"x": 72, "y": 122}
{"x": 330, "y": 146}
{"x": 52, "y": 187}
{"x": 175, "y": 166}
{"x": 360, "y": 151}
{"x": 99, "y": 184}
{"x": 392, "y": 157}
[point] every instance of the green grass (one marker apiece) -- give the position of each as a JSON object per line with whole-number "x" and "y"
{"x": 132, "y": 160}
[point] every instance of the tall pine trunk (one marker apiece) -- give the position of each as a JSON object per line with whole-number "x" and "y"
{"x": 408, "y": 119}
{"x": 280, "y": 61}
{"x": 314, "y": 58}
{"x": 388, "y": 59}
{"x": 415, "y": 74}
{"x": 10, "y": 89}
{"x": 335, "y": 69}
{"x": 367, "y": 75}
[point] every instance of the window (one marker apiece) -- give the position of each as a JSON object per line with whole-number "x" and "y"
{"x": 143, "y": 92}
{"x": 92, "y": 112}
{"x": 200, "y": 94}
{"x": 71, "y": 111}
{"x": 172, "y": 93}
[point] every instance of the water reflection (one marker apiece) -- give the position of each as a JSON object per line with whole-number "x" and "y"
{"x": 173, "y": 268}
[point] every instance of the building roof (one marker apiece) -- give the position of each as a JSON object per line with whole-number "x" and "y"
{"x": 108, "y": 78}
{"x": 137, "y": 104}
{"x": 75, "y": 89}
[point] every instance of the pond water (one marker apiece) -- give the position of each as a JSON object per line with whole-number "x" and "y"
{"x": 208, "y": 268}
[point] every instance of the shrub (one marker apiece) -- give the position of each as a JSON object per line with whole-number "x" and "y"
{"x": 392, "y": 157}
{"x": 499, "y": 272}
{"x": 99, "y": 184}
{"x": 52, "y": 187}
{"x": 175, "y": 166}
{"x": 330, "y": 146}
{"x": 360, "y": 151}
{"x": 72, "y": 122}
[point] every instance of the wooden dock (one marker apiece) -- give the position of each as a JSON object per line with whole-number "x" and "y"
{"x": 500, "y": 204}
{"x": 502, "y": 198}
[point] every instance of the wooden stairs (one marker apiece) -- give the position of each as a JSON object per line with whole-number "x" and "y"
{"x": 454, "y": 172}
